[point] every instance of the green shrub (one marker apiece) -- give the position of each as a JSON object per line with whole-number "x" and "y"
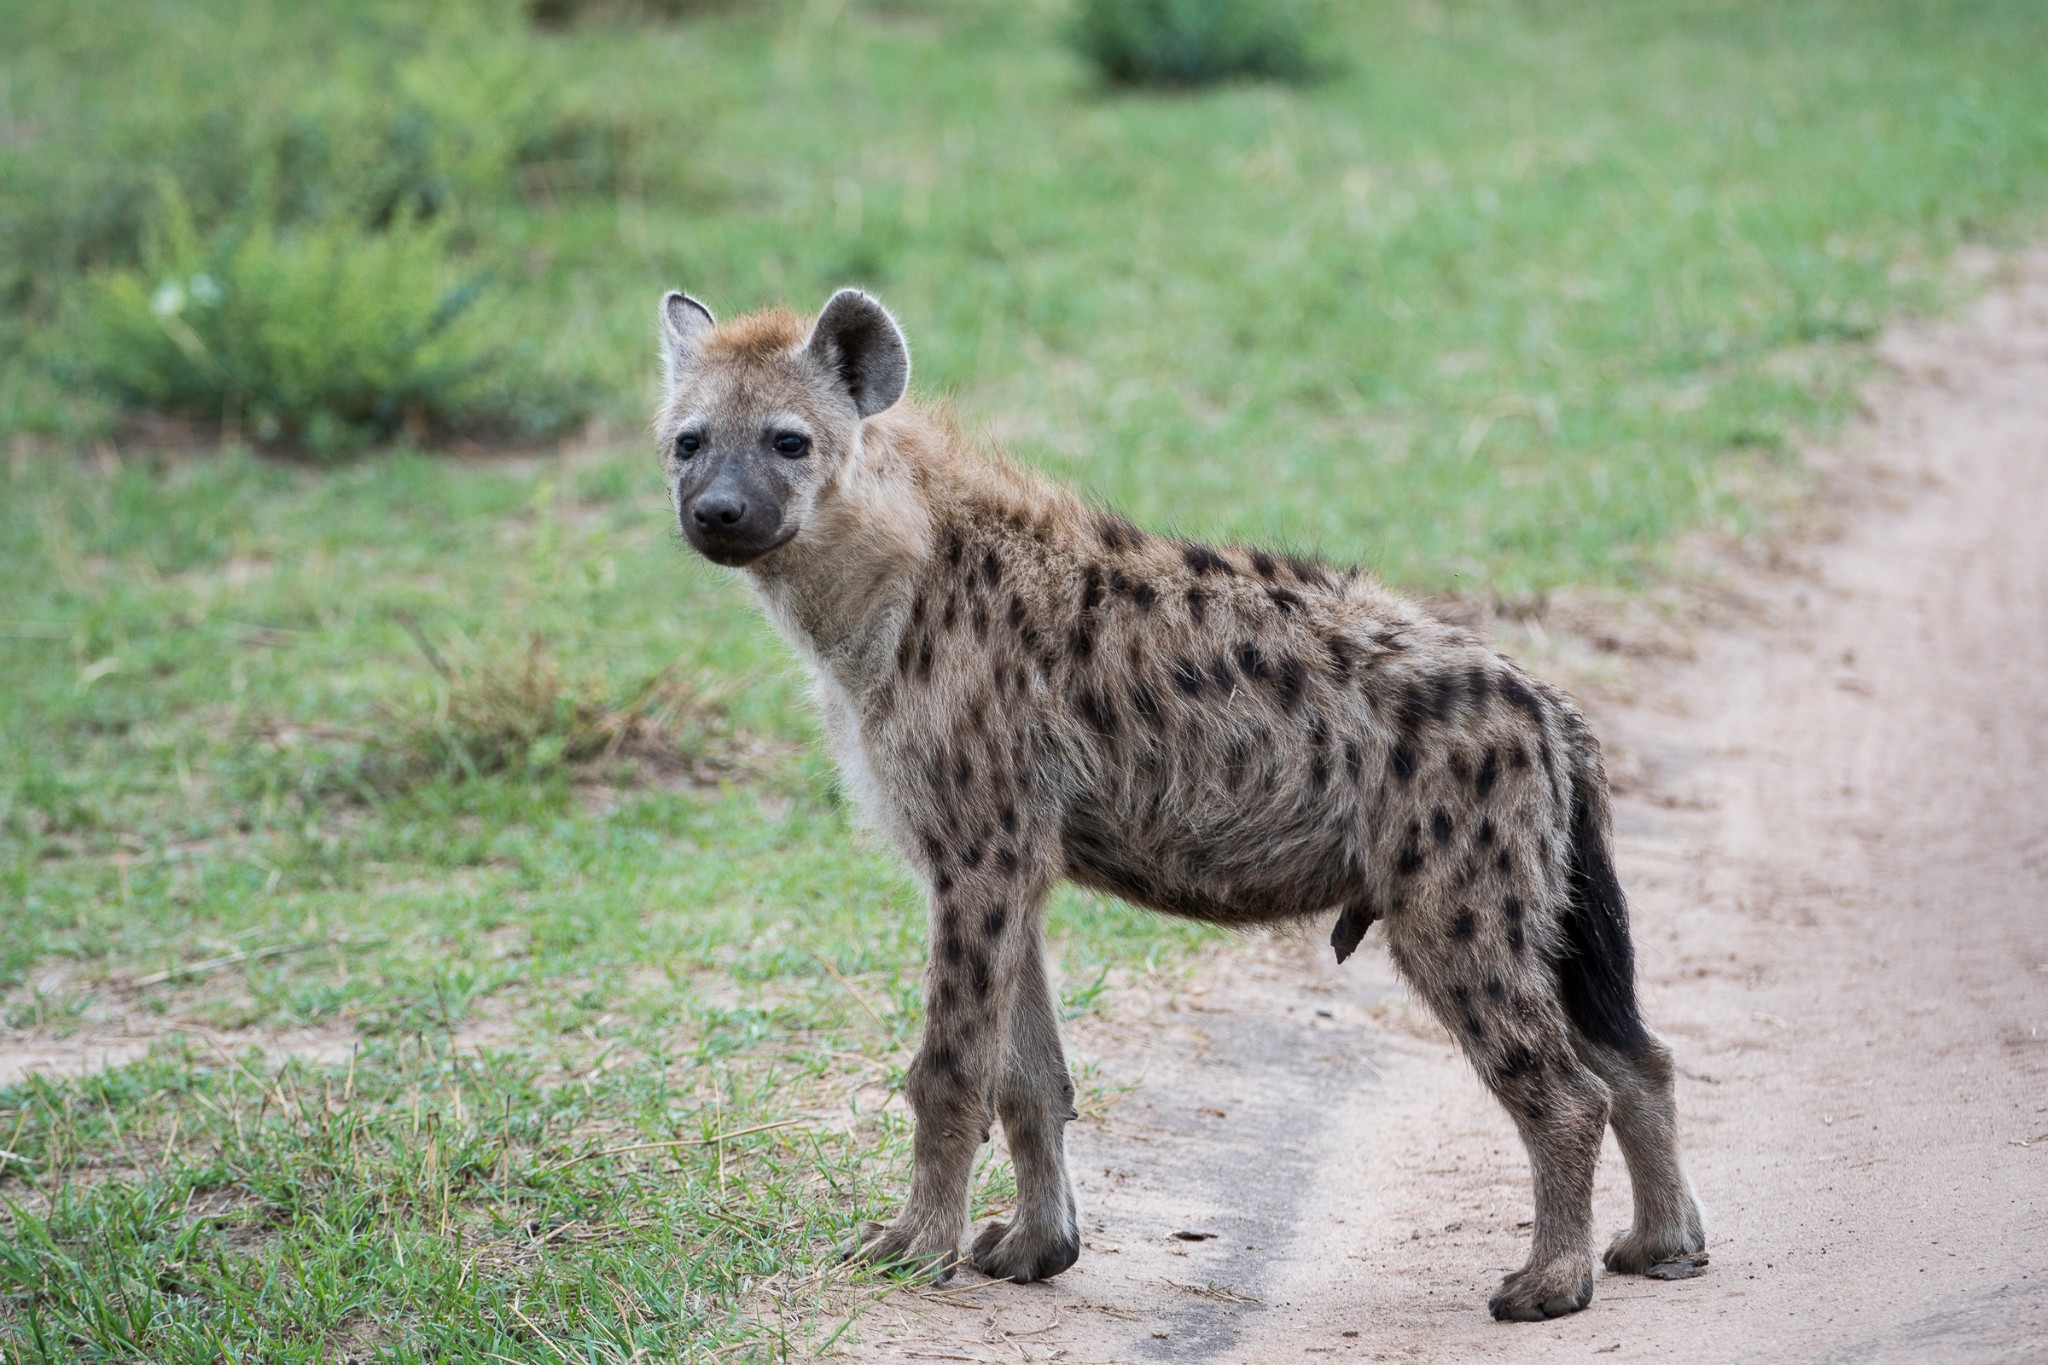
{"x": 324, "y": 336}
{"x": 1191, "y": 42}
{"x": 562, "y": 13}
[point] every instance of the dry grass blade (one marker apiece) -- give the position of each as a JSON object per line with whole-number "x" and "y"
{"x": 213, "y": 964}
{"x": 711, "y": 1141}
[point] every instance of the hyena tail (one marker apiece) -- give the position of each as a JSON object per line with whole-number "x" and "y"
{"x": 1597, "y": 971}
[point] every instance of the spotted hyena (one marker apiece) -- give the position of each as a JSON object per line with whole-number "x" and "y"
{"x": 1020, "y": 688}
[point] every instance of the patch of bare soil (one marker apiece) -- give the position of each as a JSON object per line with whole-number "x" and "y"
{"x": 1834, "y": 827}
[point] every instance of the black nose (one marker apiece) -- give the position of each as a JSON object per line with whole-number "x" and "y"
{"x": 714, "y": 511}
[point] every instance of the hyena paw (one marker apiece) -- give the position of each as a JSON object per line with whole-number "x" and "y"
{"x": 1026, "y": 1251}
{"x": 1536, "y": 1292}
{"x": 1669, "y": 1252}
{"x": 912, "y": 1249}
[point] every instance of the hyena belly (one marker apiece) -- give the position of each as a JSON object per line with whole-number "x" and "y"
{"x": 1242, "y": 796}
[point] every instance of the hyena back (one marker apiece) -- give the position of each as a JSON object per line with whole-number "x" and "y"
{"x": 1019, "y": 688}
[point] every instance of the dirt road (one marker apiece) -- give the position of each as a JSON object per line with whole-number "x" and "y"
{"x": 1834, "y": 828}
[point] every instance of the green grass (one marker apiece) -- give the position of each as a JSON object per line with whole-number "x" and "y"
{"x": 1513, "y": 299}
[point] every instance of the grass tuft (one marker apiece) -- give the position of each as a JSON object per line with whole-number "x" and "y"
{"x": 498, "y": 710}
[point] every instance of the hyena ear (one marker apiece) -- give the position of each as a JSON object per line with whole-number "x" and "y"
{"x": 684, "y": 325}
{"x": 856, "y": 340}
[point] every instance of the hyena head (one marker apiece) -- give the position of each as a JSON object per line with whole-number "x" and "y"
{"x": 762, "y": 415}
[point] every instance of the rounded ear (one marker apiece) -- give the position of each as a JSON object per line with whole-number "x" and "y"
{"x": 856, "y": 340}
{"x": 684, "y": 325}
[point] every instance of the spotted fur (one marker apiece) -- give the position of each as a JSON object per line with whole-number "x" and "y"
{"x": 1021, "y": 688}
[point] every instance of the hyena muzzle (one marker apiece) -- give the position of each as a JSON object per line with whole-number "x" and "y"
{"x": 1019, "y": 688}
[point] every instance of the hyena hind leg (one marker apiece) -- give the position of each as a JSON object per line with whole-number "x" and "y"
{"x": 1668, "y": 1224}
{"x": 1035, "y": 1098}
{"x": 1503, "y": 1008}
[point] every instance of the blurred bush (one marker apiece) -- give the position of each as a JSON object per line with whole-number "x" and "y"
{"x": 323, "y": 336}
{"x": 323, "y": 264}
{"x": 1192, "y": 42}
{"x": 562, "y": 13}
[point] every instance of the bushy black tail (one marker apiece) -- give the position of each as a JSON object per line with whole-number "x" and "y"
{"x": 1597, "y": 973}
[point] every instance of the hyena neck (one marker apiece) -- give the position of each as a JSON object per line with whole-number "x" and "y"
{"x": 839, "y": 592}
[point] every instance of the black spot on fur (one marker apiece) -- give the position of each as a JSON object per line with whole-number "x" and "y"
{"x": 1318, "y": 774}
{"x": 1092, "y": 588}
{"x": 954, "y": 548}
{"x": 1283, "y": 599}
{"x": 1220, "y": 674}
{"x": 1081, "y": 642}
{"x": 971, "y": 855}
{"x": 1485, "y": 832}
{"x": 978, "y": 973}
{"x": 1202, "y": 559}
{"x": 1489, "y": 773}
{"x": 1187, "y": 676}
{"x": 1016, "y": 611}
{"x": 1097, "y": 711}
{"x": 1007, "y": 816}
{"x": 1354, "y": 761}
{"x": 1146, "y": 704}
{"x": 1006, "y": 858}
{"x": 1145, "y": 595}
{"x": 1463, "y": 925}
{"x": 1198, "y": 605}
{"x": 1518, "y": 1062}
{"x": 1461, "y": 994}
{"x": 951, "y": 613}
{"x": 1290, "y": 680}
{"x": 991, "y": 569}
{"x": 1512, "y": 909}
{"x": 1410, "y": 861}
{"x": 1478, "y": 682}
{"x": 1251, "y": 662}
{"x": 1518, "y": 694}
{"x": 943, "y": 882}
{"x": 963, "y": 770}
{"x": 1500, "y": 861}
{"x": 1115, "y": 532}
{"x": 1307, "y": 572}
{"x": 1401, "y": 761}
{"x": 1440, "y": 825}
{"x": 924, "y": 657}
{"x": 1340, "y": 654}
{"x": 993, "y": 923}
{"x": 1495, "y": 991}
{"x": 1263, "y": 565}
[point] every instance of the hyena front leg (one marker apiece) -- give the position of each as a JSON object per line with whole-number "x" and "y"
{"x": 1036, "y": 1100}
{"x": 986, "y": 898}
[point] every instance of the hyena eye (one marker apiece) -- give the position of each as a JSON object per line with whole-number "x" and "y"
{"x": 688, "y": 444}
{"x": 792, "y": 445}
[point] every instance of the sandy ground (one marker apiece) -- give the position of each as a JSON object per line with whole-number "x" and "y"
{"x": 1834, "y": 828}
